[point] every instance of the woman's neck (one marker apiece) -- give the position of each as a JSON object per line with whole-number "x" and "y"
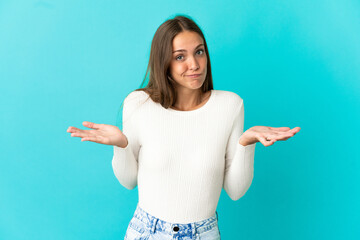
{"x": 190, "y": 101}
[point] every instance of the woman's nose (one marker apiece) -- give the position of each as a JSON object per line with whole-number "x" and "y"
{"x": 193, "y": 65}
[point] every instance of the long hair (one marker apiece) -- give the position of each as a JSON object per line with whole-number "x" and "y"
{"x": 161, "y": 87}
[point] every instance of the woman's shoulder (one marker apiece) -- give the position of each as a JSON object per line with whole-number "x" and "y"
{"x": 229, "y": 97}
{"x": 136, "y": 94}
{"x": 135, "y": 99}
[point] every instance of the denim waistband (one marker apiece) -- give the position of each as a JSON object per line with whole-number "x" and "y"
{"x": 157, "y": 224}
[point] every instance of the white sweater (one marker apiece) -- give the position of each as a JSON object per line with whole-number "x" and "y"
{"x": 181, "y": 160}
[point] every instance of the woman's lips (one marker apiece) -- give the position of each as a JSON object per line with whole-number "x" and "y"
{"x": 194, "y": 75}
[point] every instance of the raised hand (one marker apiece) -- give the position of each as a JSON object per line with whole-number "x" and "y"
{"x": 101, "y": 133}
{"x": 267, "y": 135}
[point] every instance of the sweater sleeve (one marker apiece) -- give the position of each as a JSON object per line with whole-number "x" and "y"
{"x": 239, "y": 160}
{"x": 125, "y": 160}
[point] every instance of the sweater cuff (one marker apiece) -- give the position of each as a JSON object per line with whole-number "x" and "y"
{"x": 120, "y": 150}
{"x": 247, "y": 148}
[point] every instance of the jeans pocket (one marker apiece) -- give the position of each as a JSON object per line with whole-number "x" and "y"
{"x": 211, "y": 234}
{"x": 135, "y": 230}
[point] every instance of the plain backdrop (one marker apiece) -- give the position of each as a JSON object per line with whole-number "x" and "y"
{"x": 295, "y": 63}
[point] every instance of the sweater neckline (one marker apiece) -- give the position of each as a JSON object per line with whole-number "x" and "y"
{"x": 202, "y": 108}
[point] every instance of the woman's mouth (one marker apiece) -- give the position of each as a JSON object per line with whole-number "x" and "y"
{"x": 194, "y": 76}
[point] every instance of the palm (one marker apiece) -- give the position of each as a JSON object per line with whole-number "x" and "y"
{"x": 269, "y": 135}
{"x": 100, "y": 133}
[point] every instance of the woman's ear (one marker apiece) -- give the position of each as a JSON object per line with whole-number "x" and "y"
{"x": 170, "y": 78}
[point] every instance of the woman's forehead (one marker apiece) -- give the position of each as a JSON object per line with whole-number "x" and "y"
{"x": 186, "y": 41}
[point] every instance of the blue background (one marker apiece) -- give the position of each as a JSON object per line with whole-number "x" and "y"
{"x": 295, "y": 63}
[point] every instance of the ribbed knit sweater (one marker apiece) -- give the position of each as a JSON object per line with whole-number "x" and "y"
{"x": 180, "y": 160}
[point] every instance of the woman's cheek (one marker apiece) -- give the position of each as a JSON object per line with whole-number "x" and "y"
{"x": 181, "y": 70}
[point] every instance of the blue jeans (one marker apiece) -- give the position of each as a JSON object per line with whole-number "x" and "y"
{"x": 144, "y": 226}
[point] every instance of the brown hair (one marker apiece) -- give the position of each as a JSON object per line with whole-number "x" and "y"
{"x": 160, "y": 87}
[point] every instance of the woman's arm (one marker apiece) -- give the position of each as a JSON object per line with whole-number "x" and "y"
{"x": 239, "y": 160}
{"x": 125, "y": 160}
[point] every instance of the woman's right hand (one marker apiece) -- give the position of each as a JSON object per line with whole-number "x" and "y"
{"x": 101, "y": 133}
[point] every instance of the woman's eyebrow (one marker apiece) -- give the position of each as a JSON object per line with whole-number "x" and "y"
{"x": 183, "y": 50}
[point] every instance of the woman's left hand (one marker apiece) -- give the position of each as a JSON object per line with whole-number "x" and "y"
{"x": 267, "y": 135}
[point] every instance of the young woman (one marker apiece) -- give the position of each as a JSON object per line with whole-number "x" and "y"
{"x": 182, "y": 141}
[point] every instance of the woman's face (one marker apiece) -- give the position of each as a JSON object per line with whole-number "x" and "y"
{"x": 189, "y": 60}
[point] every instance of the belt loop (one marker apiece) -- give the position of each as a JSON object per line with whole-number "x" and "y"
{"x": 154, "y": 225}
{"x": 193, "y": 229}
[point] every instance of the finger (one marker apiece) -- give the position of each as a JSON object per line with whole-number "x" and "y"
{"x": 265, "y": 142}
{"x": 92, "y": 139}
{"x": 284, "y": 136}
{"x": 295, "y": 129}
{"x": 77, "y": 130}
{"x": 91, "y": 125}
{"x": 97, "y": 139}
{"x": 282, "y": 139}
{"x": 72, "y": 129}
{"x": 80, "y": 134}
{"x": 282, "y": 129}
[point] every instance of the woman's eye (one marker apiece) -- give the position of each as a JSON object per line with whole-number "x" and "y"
{"x": 177, "y": 58}
{"x": 202, "y": 51}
